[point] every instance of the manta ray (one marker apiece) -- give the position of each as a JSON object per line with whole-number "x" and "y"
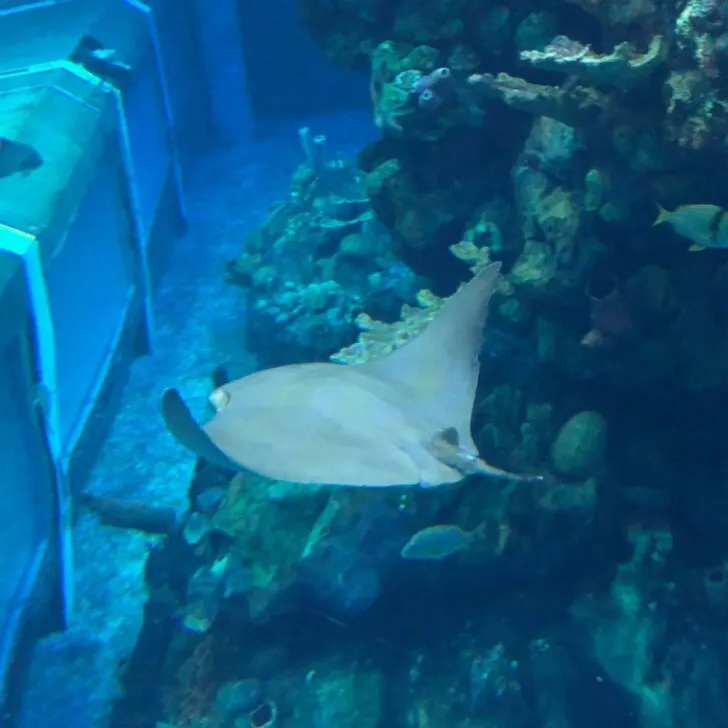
{"x": 402, "y": 419}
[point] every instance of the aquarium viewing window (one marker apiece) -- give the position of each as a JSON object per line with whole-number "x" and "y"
{"x": 90, "y": 169}
{"x": 26, "y": 482}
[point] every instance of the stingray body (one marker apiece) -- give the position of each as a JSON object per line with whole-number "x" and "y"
{"x": 402, "y": 419}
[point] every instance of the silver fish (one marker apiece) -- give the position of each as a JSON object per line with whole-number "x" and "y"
{"x": 435, "y": 543}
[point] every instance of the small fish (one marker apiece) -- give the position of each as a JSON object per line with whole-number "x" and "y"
{"x": 435, "y": 543}
{"x": 104, "y": 62}
{"x": 17, "y": 157}
{"x": 705, "y": 225}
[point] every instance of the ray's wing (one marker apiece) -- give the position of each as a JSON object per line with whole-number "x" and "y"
{"x": 185, "y": 429}
{"x": 440, "y": 366}
{"x": 319, "y": 423}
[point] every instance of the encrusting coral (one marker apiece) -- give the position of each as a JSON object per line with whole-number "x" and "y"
{"x": 543, "y": 136}
{"x": 623, "y": 67}
{"x": 379, "y": 338}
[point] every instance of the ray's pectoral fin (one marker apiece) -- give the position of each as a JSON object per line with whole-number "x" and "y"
{"x": 187, "y": 431}
{"x": 445, "y": 446}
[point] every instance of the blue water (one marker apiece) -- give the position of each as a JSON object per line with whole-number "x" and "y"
{"x": 584, "y": 582}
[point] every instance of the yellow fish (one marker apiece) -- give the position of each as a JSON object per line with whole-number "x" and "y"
{"x": 705, "y": 225}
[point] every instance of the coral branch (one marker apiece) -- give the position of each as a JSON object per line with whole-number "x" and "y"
{"x": 623, "y": 67}
{"x": 577, "y": 106}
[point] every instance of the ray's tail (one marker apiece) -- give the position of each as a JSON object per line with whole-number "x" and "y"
{"x": 490, "y": 471}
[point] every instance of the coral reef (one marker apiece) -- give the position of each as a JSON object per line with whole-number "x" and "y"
{"x": 281, "y": 551}
{"x": 543, "y": 135}
{"x": 601, "y": 151}
{"x": 319, "y": 260}
{"x": 623, "y": 67}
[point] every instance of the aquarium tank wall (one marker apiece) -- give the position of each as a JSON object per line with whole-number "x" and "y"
{"x": 363, "y": 364}
{"x": 105, "y": 105}
{"x": 92, "y": 192}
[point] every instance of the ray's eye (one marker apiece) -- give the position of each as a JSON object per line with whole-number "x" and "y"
{"x": 219, "y": 398}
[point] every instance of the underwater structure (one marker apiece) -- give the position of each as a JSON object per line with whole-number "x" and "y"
{"x": 101, "y": 102}
{"x": 476, "y": 476}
